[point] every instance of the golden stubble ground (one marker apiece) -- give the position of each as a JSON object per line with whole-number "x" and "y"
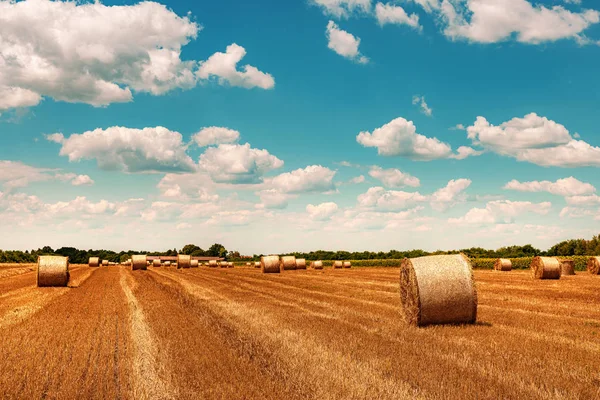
{"x": 331, "y": 334}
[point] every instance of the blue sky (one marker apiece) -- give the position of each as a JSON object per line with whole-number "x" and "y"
{"x": 359, "y": 125}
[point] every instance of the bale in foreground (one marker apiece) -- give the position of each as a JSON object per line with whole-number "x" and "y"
{"x": 545, "y": 268}
{"x": 503, "y": 264}
{"x": 184, "y": 261}
{"x": 567, "y": 267}
{"x": 593, "y": 265}
{"x": 138, "y": 261}
{"x": 288, "y": 263}
{"x": 337, "y": 264}
{"x": 317, "y": 264}
{"x": 270, "y": 264}
{"x": 156, "y": 262}
{"x": 300, "y": 263}
{"x": 347, "y": 264}
{"x": 94, "y": 262}
{"x": 52, "y": 271}
{"x": 438, "y": 290}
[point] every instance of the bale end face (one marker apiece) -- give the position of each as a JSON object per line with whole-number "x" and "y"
{"x": 567, "y": 267}
{"x": 194, "y": 264}
{"x": 270, "y": 264}
{"x": 347, "y": 264}
{"x": 545, "y": 268}
{"x": 53, "y": 271}
{"x": 593, "y": 265}
{"x": 257, "y": 264}
{"x": 156, "y": 263}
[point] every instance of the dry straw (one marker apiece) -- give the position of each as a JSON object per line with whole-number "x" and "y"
{"x": 94, "y": 262}
{"x": 52, "y": 271}
{"x": 248, "y": 264}
{"x": 347, "y": 264}
{"x": 288, "y": 263}
{"x": 300, "y": 263}
{"x": 545, "y": 268}
{"x": 184, "y": 261}
{"x": 438, "y": 290}
{"x": 104, "y": 263}
{"x": 156, "y": 262}
{"x": 593, "y": 265}
{"x": 503, "y": 264}
{"x": 257, "y": 264}
{"x": 167, "y": 263}
{"x": 213, "y": 264}
{"x": 194, "y": 264}
{"x": 567, "y": 267}
{"x": 337, "y": 264}
{"x": 230, "y": 264}
{"x": 138, "y": 261}
{"x": 270, "y": 264}
{"x": 316, "y": 264}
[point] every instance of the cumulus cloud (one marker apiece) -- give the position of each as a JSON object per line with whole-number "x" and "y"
{"x": 314, "y": 178}
{"x": 392, "y": 14}
{"x": 343, "y": 43}
{"x": 131, "y": 150}
{"x": 214, "y": 135}
{"x": 450, "y": 195}
{"x": 198, "y": 186}
{"x": 565, "y": 187}
{"x": 235, "y": 163}
{"x": 356, "y": 180}
{"x": 534, "y": 139}
{"x": 464, "y": 151}
{"x": 223, "y": 67}
{"x": 389, "y": 200}
{"x": 343, "y": 8}
{"x": 583, "y": 201}
{"x": 501, "y": 210}
{"x": 321, "y": 212}
{"x": 420, "y": 101}
{"x": 273, "y": 199}
{"x": 393, "y": 177}
{"x": 15, "y": 174}
{"x": 76, "y": 180}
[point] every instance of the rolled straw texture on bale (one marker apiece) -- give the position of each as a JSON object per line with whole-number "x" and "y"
{"x": 567, "y": 267}
{"x": 288, "y": 263}
{"x": 438, "y": 290}
{"x": 317, "y": 264}
{"x": 257, "y": 264}
{"x": 230, "y": 264}
{"x": 138, "y": 261}
{"x": 104, "y": 263}
{"x": 184, "y": 261}
{"x": 156, "y": 262}
{"x": 213, "y": 264}
{"x": 52, "y": 271}
{"x": 593, "y": 265}
{"x": 347, "y": 264}
{"x": 167, "y": 263}
{"x": 300, "y": 263}
{"x": 194, "y": 264}
{"x": 337, "y": 264}
{"x": 94, "y": 262}
{"x": 545, "y": 268}
{"x": 270, "y": 264}
{"x": 503, "y": 264}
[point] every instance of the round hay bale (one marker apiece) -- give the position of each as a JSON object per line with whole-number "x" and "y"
{"x": 53, "y": 271}
{"x": 94, "y": 262}
{"x": 593, "y": 265}
{"x": 337, "y": 264}
{"x": 270, "y": 264}
{"x": 300, "y": 263}
{"x": 138, "y": 261}
{"x": 105, "y": 263}
{"x": 194, "y": 264}
{"x": 248, "y": 264}
{"x": 347, "y": 264}
{"x": 438, "y": 290}
{"x": 503, "y": 264}
{"x": 567, "y": 267}
{"x": 156, "y": 262}
{"x": 230, "y": 264}
{"x": 167, "y": 263}
{"x": 288, "y": 263}
{"x": 184, "y": 261}
{"x": 545, "y": 268}
{"x": 213, "y": 264}
{"x": 257, "y": 264}
{"x": 316, "y": 264}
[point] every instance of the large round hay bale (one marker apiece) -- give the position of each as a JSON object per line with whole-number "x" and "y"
{"x": 213, "y": 264}
{"x": 300, "y": 263}
{"x": 438, "y": 290}
{"x": 593, "y": 265}
{"x": 545, "y": 268}
{"x": 347, "y": 264}
{"x": 567, "y": 267}
{"x": 94, "y": 262}
{"x": 288, "y": 263}
{"x": 138, "y": 261}
{"x": 184, "y": 261}
{"x": 503, "y": 264}
{"x": 194, "y": 264}
{"x": 156, "y": 262}
{"x": 105, "y": 263}
{"x": 53, "y": 271}
{"x": 256, "y": 264}
{"x": 337, "y": 264}
{"x": 270, "y": 264}
{"x": 316, "y": 264}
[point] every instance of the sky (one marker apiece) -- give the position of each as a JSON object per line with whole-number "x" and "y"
{"x": 275, "y": 126}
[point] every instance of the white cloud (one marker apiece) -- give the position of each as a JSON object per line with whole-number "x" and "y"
{"x": 583, "y": 201}
{"x": 214, "y": 135}
{"x": 491, "y": 21}
{"x": 343, "y": 8}
{"x": 184, "y": 226}
{"x": 464, "y": 151}
{"x": 76, "y": 180}
{"x": 322, "y": 212}
{"x": 15, "y": 174}
{"x": 343, "y": 43}
{"x": 450, "y": 195}
{"x": 235, "y": 163}
{"x": 562, "y": 187}
{"x": 273, "y": 199}
{"x": 223, "y": 66}
{"x": 458, "y": 127}
{"x": 420, "y": 101}
{"x": 131, "y": 150}
{"x": 391, "y": 14}
{"x": 389, "y": 200}
{"x": 535, "y": 139}
{"x": 393, "y": 177}
{"x": 237, "y": 217}
{"x": 358, "y": 179}
{"x": 400, "y": 138}
{"x": 314, "y": 178}
{"x": 576, "y": 212}
{"x": 501, "y": 210}
{"x": 197, "y": 185}
{"x": 429, "y": 5}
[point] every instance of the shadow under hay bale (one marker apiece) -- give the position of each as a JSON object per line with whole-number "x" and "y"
{"x": 545, "y": 268}
{"x": 503, "y": 264}
{"x": 438, "y": 290}
{"x": 53, "y": 271}
{"x": 94, "y": 262}
{"x": 270, "y": 264}
{"x": 138, "y": 262}
{"x": 593, "y": 265}
{"x": 567, "y": 267}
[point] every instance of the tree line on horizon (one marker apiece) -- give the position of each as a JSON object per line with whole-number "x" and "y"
{"x": 573, "y": 247}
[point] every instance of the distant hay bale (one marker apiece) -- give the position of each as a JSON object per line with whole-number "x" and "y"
{"x": 545, "y": 268}
{"x": 593, "y": 265}
{"x": 257, "y": 264}
{"x": 270, "y": 264}
{"x": 337, "y": 264}
{"x": 184, "y": 261}
{"x": 167, "y": 263}
{"x": 138, "y": 261}
{"x": 567, "y": 267}
{"x": 248, "y": 264}
{"x": 503, "y": 264}
{"x": 288, "y": 263}
{"x": 52, "y": 271}
{"x": 94, "y": 262}
{"x": 300, "y": 263}
{"x": 223, "y": 264}
{"x": 316, "y": 264}
{"x": 230, "y": 264}
{"x": 194, "y": 264}
{"x": 156, "y": 262}
{"x": 347, "y": 264}
{"x": 213, "y": 264}
{"x": 438, "y": 290}
{"x": 104, "y": 263}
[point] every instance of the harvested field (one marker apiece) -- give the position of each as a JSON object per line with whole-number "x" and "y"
{"x": 305, "y": 334}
